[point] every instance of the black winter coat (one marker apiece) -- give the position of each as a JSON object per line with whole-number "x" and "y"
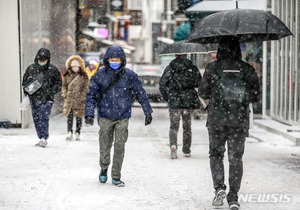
{"x": 228, "y": 59}
{"x": 178, "y": 84}
{"x": 51, "y": 83}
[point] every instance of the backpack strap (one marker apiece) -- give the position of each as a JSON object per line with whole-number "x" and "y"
{"x": 116, "y": 79}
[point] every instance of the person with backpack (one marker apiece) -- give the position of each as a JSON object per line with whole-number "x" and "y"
{"x": 41, "y": 82}
{"x": 178, "y": 87}
{"x": 111, "y": 91}
{"x": 229, "y": 84}
{"x": 74, "y": 89}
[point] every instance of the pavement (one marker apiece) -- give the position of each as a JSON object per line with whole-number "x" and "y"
{"x": 64, "y": 175}
{"x": 277, "y": 128}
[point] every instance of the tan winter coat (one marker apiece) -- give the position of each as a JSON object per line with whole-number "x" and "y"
{"x": 75, "y": 94}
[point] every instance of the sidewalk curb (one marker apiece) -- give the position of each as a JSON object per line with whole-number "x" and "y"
{"x": 276, "y": 127}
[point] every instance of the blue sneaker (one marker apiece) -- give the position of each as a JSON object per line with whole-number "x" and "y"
{"x": 118, "y": 183}
{"x": 103, "y": 175}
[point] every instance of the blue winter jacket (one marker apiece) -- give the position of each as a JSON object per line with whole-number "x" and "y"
{"x": 116, "y": 103}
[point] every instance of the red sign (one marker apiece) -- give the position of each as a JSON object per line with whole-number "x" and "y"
{"x": 123, "y": 30}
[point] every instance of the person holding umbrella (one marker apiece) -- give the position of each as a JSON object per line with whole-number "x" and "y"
{"x": 228, "y": 113}
{"x": 178, "y": 87}
{"x": 229, "y": 84}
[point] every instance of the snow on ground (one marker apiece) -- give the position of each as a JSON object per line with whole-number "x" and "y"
{"x": 65, "y": 174}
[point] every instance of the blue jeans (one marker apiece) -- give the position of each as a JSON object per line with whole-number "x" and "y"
{"x": 40, "y": 115}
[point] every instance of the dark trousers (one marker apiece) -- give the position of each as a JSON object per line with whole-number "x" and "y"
{"x": 40, "y": 115}
{"x": 70, "y": 123}
{"x": 186, "y": 125}
{"x": 235, "y": 138}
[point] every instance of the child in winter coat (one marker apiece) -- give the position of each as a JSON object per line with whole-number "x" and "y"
{"x": 92, "y": 68}
{"x": 74, "y": 89}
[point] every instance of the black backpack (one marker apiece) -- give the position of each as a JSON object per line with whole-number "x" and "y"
{"x": 231, "y": 99}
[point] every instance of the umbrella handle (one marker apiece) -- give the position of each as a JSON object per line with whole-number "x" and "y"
{"x": 267, "y": 26}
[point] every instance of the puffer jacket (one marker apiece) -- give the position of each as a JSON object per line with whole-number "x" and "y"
{"x": 178, "y": 84}
{"x": 116, "y": 103}
{"x": 51, "y": 82}
{"x": 228, "y": 58}
{"x": 75, "y": 94}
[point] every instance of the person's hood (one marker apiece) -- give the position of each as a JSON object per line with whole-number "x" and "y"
{"x": 180, "y": 63}
{"x": 229, "y": 47}
{"x": 114, "y": 52}
{"x": 75, "y": 57}
{"x": 43, "y": 52}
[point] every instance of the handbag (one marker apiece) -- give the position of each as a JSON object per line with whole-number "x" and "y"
{"x": 34, "y": 84}
{"x": 25, "y": 103}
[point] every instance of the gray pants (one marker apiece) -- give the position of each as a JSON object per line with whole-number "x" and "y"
{"x": 186, "y": 125}
{"x": 108, "y": 130}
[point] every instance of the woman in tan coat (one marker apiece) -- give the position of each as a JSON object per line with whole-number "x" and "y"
{"x": 74, "y": 89}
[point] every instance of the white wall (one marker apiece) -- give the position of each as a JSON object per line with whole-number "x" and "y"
{"x": 10, "y": 90}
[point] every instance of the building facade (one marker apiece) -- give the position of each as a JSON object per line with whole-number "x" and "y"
{"x": 281, "y": 85}
{"x": 27, "y": 27}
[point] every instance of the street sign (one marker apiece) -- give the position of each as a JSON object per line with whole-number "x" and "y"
{"x": 116, "y": 5}
{"x": 136, "y": 17}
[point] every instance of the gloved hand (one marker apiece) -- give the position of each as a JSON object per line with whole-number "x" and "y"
{"x": 89, "y": 120}
{"x": 148, "y": 119}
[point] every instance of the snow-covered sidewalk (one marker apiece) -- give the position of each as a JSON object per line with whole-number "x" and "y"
{"x": 65, "y": 174}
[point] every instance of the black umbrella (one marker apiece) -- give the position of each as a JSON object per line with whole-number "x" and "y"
{"x": 246, "y": 24}
{"x": 183, "y": 47}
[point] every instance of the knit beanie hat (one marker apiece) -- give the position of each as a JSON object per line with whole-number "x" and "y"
{"x": 93, "y": 62}
{"x": 75, "y": 63}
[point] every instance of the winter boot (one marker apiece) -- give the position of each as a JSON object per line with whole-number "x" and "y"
{"x": 118, "y": 183}
{"x": 103, "y": 175}
{"x": 218, "y": 199}
{"x": 234, "y": 205}
{"x": 173, "y": 152}
{"x": 77, "y": 136}
{"x": 69, "y": 136}
{"x": 42, "y": 143}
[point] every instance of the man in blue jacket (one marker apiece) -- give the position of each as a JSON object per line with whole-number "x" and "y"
{"x": 114, "y": 110}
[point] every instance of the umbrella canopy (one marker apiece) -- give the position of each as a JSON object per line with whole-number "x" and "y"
{"x": 183, "y": 47}
{"x": 247, "y": 25}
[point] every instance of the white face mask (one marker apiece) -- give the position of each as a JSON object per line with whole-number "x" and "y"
{"x": 42, "y": 63}
{"x": 75, "y": 68}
